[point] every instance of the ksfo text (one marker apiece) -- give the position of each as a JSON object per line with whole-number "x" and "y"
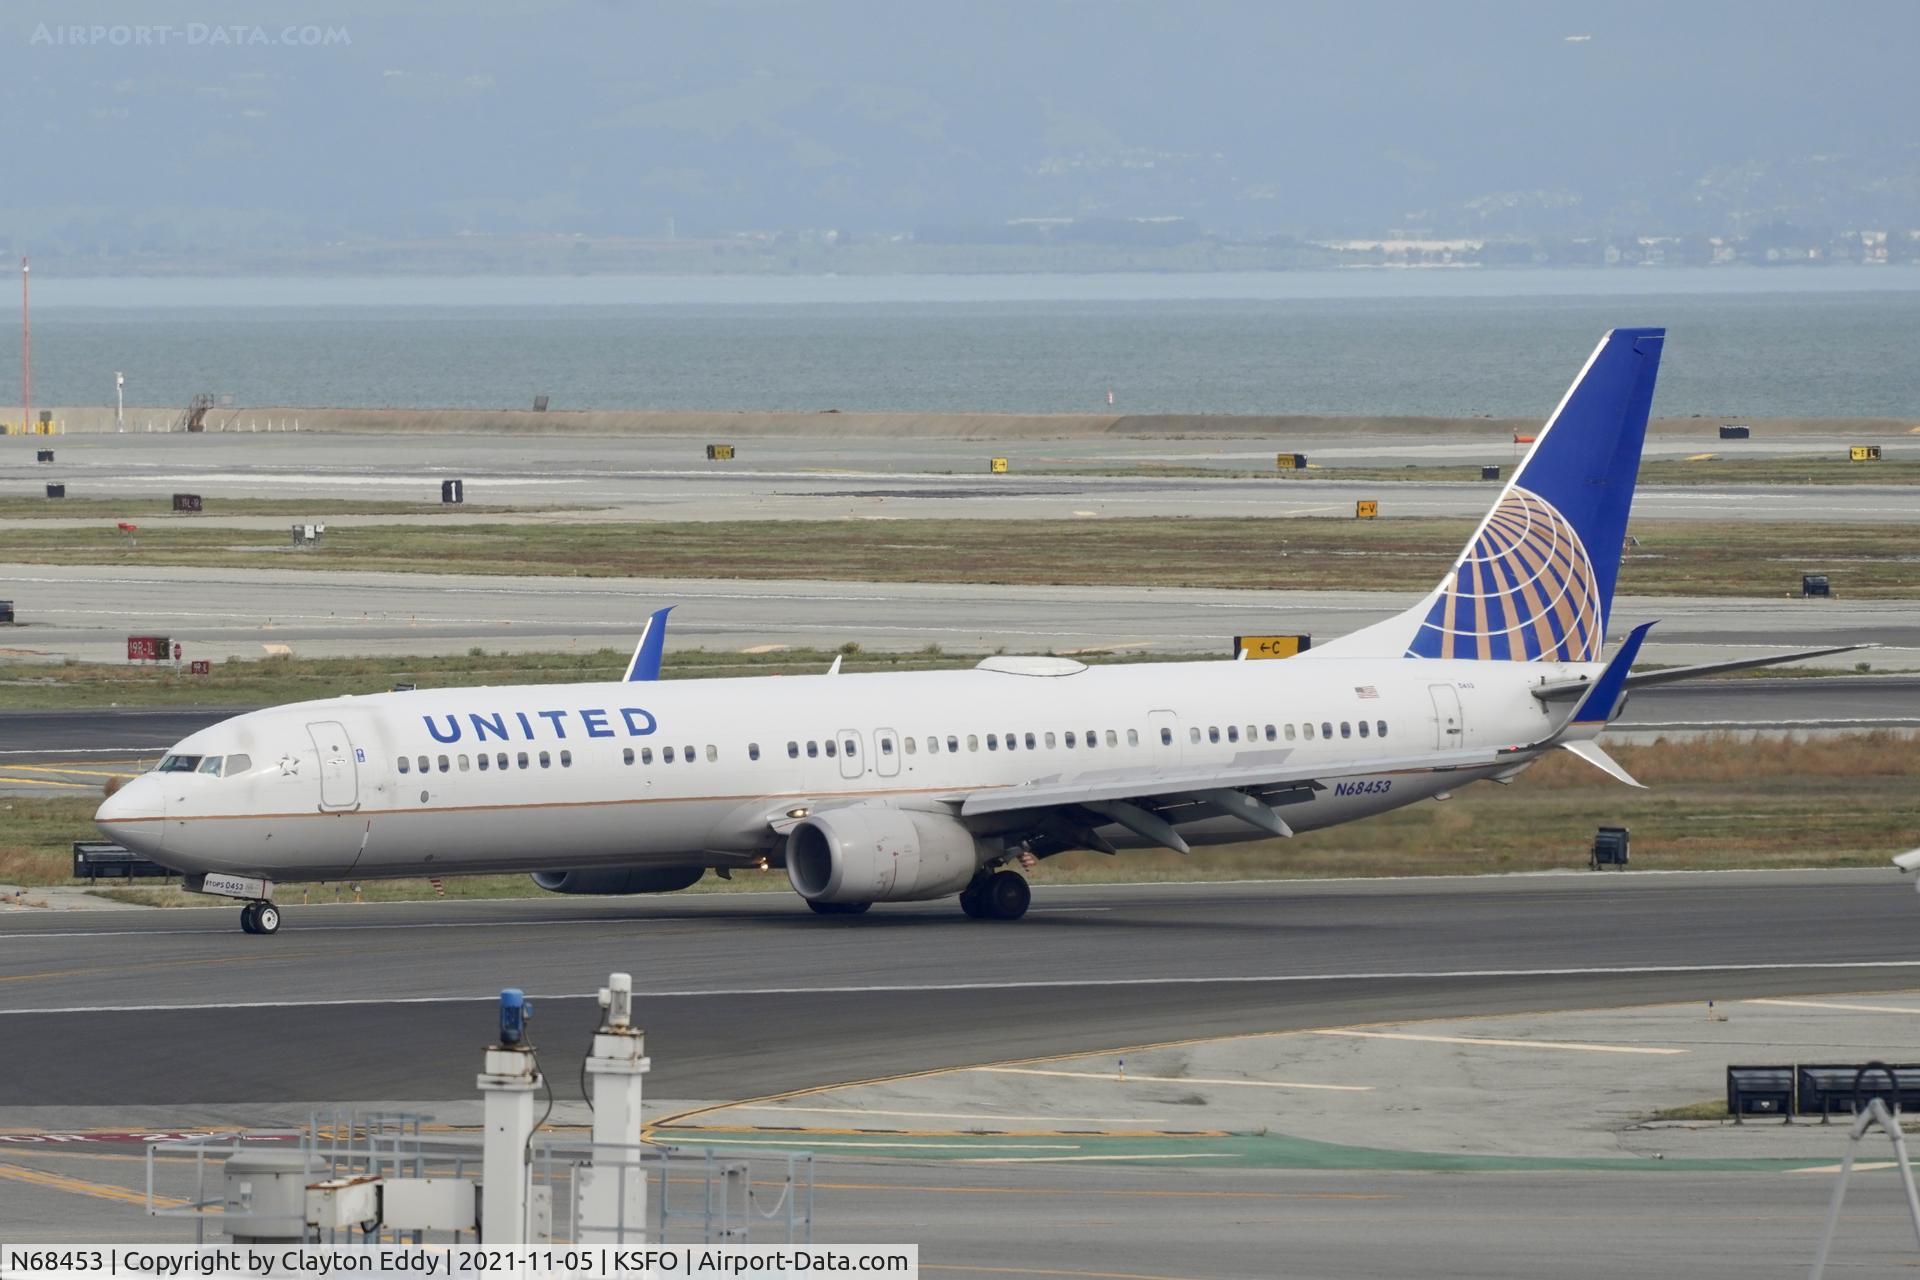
{"x": 697, "y": 1262}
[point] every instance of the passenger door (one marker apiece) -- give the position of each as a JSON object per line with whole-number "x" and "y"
{"x": 339, "y": 767}
{"x": 1449, "y": 729}
{"x": 886, "y": 753}
{"x": 852, "y": 757}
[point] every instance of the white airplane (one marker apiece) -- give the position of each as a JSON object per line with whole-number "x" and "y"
{"x": 912, "y": 786}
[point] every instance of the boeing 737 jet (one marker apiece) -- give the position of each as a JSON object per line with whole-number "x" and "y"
{"x": 912, "y": 786}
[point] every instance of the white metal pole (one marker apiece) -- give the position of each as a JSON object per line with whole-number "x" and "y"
{"x": 613, "y": 1192}
{"x": 119, "y": 402}
{"x": 508, "y": 1086}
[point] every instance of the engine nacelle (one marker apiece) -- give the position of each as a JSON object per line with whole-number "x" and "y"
{"x": 873, "y": 854}
{"x": 619, "y": 879}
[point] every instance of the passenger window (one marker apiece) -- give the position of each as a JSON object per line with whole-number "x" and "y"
{"x": 886, "y": 746}
{"x": 1213, "y": 733}
{"x": 713, "y": 753}
{"x": 1093, "y": 738}
{"x": 686, "y": 754}
{"x": 831, "y": 748}
{"x": 1166, "y": 736}
{"x": 1013, "y": 741}
{"x": 463, "y": 764}
{"x": 1233, "y": 733}
{"x": 403, "y": 764}
{"x": 1363, "y": 728}
{"x": 753, "y": 751}
{"x": 993, "y": 742}
{"x": 1326, "y": 728}
{"x": 521, "y": 759}
{"x": 501, "y": 760}
{"x": 1049, "y": 740}
{"x": 446, "y": 766}
{"x": 1289, "y": 733}
{"x": 911, "y": 744}
{"x": 546, "y": 761}
{"x": 1113, "y": 738}
{"x": 1071, "y": 740}
{"x": 1193, "y": 733}
{"x": 953, "y": 744}
{"x": 793, "y": 750}
{"x": 422, "y": 762}
{"x": 1308, "y": 730}
{"x": 1253, "y": 733}
{"x": 483, "y": 759}
{"x": 566, "y": 758}
{"x": 1381, "y": 726}
{"x": 933, "y": 746}
{"x": 973, "y": 742}
{"x": 1133, "y": 737}
{"x": 626, "y": 756}
{"x": 1346, "y": 730}
{"x": 1030, "y": 742}
{"x": 666, "y": 755}
{"x": 1271, "y": 735}
{"x": 852, "y": 746}
{"x": 813, "y": 749}
{"x": 646, "y": 755}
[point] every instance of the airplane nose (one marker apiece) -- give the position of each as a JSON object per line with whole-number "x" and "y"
{"x": 134, "y": 816}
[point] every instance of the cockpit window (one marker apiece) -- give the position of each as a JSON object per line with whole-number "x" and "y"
{"x": 236, "y": 764}
{"x": 179, "y": 764}
{"x": 210, "y": 764}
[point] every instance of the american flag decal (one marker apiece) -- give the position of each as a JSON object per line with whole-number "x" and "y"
{"x": 1366, "y": 691}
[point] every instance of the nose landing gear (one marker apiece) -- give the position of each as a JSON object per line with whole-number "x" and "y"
{"x": 260, "y": 917}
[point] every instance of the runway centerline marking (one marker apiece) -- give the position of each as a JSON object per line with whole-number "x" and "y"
{"x": 949, "y": 1115}
{"x": 1116, "y": 1078}
{"x": 1829, "y": 1004}
{"x": 1186, "y": 1155}
{"x": 1422, "y": 975}
{"x": 1571, "y": 1045}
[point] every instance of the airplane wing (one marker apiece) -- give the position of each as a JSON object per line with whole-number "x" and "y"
{"x": 1254, "y": 788}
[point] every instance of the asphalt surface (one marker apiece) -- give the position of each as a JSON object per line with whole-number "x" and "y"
{"x": 86, "y": 612}
{"x": 667, "y": 478}
{"x": 750, "y": 995}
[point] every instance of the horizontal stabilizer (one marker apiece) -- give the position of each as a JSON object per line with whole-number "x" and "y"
{"x": 1592, "y": 753}
{"x": 1567, "y": 690}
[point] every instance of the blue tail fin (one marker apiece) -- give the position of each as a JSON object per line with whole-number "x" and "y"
{"x": 652, "y": 649}
{"x": 1535, "y": 582}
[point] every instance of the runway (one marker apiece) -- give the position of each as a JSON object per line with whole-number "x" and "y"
{"x": 825, "y": 478}
{"x": 746, "y": 995}
{"x": 86, "y": 612}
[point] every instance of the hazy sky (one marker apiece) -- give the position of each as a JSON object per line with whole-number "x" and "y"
{"x": 352, "y": 119}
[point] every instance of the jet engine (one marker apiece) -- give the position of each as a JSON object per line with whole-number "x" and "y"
{"x": 619, "y": 879}
{"x": 870, "y": 853}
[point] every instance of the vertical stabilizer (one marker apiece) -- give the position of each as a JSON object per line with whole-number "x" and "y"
{"x": 1535, "y": 582}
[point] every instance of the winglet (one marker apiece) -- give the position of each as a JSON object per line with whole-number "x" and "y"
{"x": 1596, "y": 756}
{"x": 651, "y": 649}
{"x": 1600, "y": 705}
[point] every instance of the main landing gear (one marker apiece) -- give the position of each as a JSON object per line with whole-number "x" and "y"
{"x": 839, "y": 908}
{"x": 260, "y": 917}
{"x": 996, "y": 895}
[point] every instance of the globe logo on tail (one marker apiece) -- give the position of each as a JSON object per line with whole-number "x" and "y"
{"x": 1525, "y": 591}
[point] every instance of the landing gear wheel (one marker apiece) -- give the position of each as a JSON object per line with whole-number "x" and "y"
{"x": 1006, "y": 896}
{"x": 839, "y": 908}
{"x": 247, "y": 924}
{"x": 973, "y": 898}
{"x": 266, "y": 918}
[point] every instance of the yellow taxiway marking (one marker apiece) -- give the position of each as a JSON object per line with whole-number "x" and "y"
{"x": 81, "y": 1187}
{"x": 1571, "y": 1045}
{"x": 1129, "y": 1079}
{"x": 58, "y": 768}
{"x": 955, "y": 1115}
{"x": 1832, "y": 1004}
{"x": 1186, "y": 1155}
{"x": 46, "y": 782}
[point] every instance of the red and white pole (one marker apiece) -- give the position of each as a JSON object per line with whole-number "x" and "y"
{"x": 26, "y": 353}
